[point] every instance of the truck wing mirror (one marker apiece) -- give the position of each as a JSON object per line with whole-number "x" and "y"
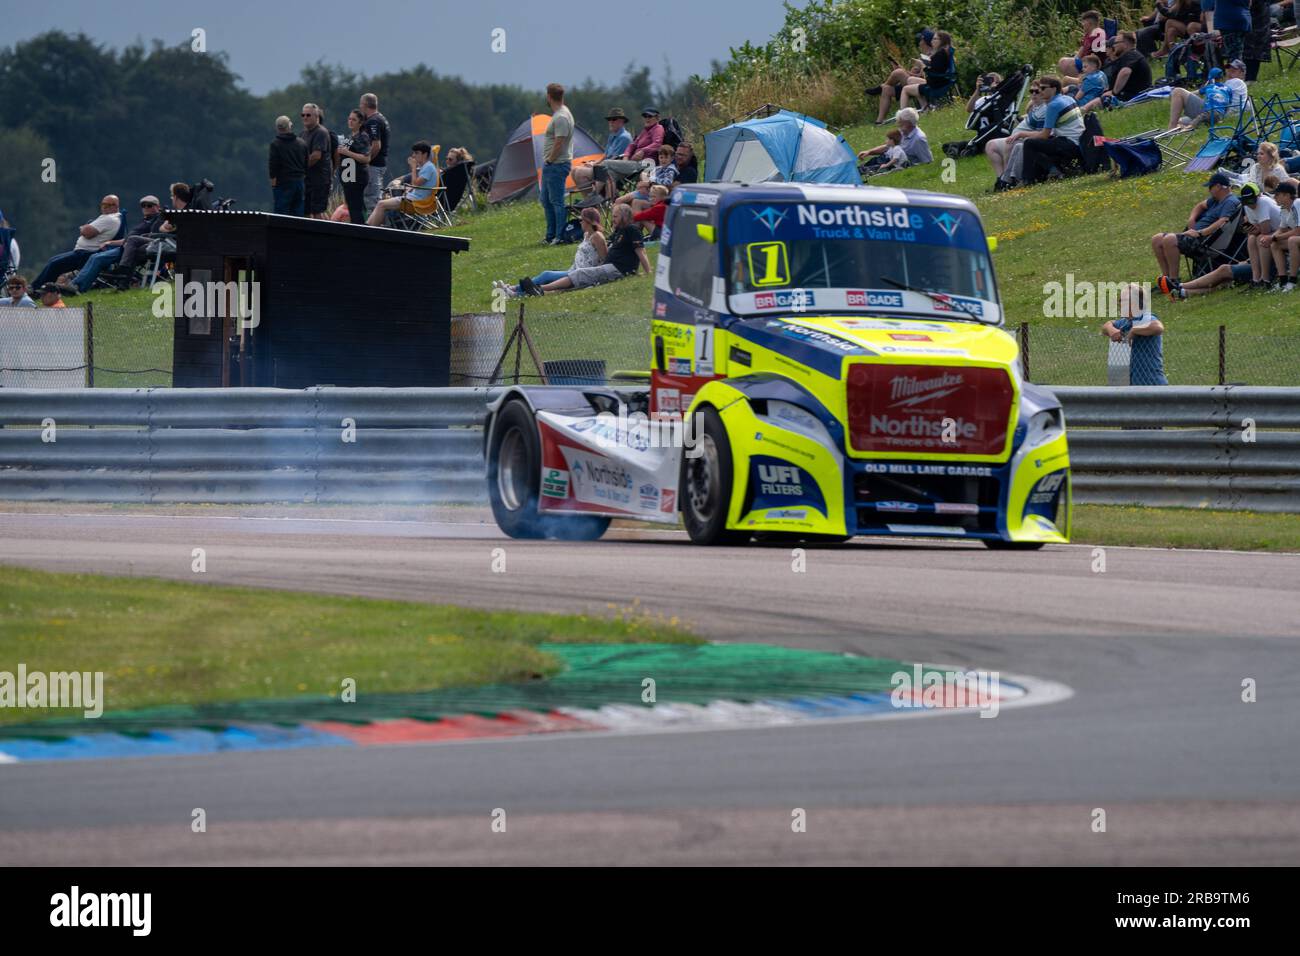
{"x": 993, "y": 243}
{"x": 706, "y": 232}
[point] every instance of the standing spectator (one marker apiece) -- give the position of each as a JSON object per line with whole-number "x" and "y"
{"x": 16, "y": 289}
{"x": 584, "y": 174}
{"x": 1207, "y": 217}
{"x": 287, "y": 165}
{"x": 376, "y": 127}
{"x": 1258, "y": 47}
{"x": 353, "y": 175}
{"x": 110, "y": 254}
{"x": 940, "y": 74}
{"x": 557, "y": 160}
{"x": 647, "y": 142}
{"x": 91, "y": 238}
{"x": 1143, "y": 331}
{"x": 1127, "y": 71}
{"x": 1284, "y": 243}
{"x": 1092, "y": 44}
{"x": 1057, "y": 143}
{"x": 1232, "y": 18}
{"x": 1263, "y": 216}
{"x": 320, "y": 163}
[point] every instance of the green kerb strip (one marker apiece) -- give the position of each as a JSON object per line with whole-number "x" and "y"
{"x": 594, "y": 675}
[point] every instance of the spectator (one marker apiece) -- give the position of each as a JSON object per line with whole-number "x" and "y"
{"x": 112, "y": 251}
{"x": 91, "y": 239}
{"x": 665, "y": 173}
{"x": 638, "y": 198}
{"x": 423, "y": 177}
{"x": 654, "y": 213}
{"x": 1006, "y": 155}
{"x": 1263, "y": 216}
{"x": 1268, "y": 166}
{"x": 1173, "y": 21}
{"x": 1092, "y": 44}
{"x": 940, "y": 75}
{"x": 1207, "y": 217}
{"x": 1127, "y": 71}
{"x": 584, "y": 174}
{"x": 1214, "y": 101}
{"x": 983, "y": 88}
{"x": 589, "y": 254}
{"x": 887, "y": 157}
{"x": 1258, "y": 46}
{"x": 647, "y": 142}
{"x": 1283, "y": 245}
{"x": 557, "y": 159}
{"x": 1143, "y": 331}
{"x": 320, "y": 163}
{"x": 916, "y": 146}
{"x": 892, "y": 88}
{"x": 1234, "y": 273}
{"x": 140, "y": 246}
{"x": 626, "y": 251}
{"x": 457, "y": 155}
{"x": 688, "y": 167}
{"x": 50, "y": 297}
{"x": 1057, "y": 143}
{"x": 376, "y": 126}
{"x": 1232, "y": 19}
{"x": 16, "y": 289}
{"x": 287, "y": 165}
{"x": 354, "y": 176}
{"x": 1092, "y": 87}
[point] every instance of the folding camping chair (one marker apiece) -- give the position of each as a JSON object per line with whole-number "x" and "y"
{"x": 1227, "y": 246}
{"x": 1175, "y": 146}
{"x": 1228, "y": 144}
{"x": 1285, "y": 41}
{"x": 415, "y": 215}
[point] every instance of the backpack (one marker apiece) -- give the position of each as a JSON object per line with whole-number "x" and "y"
{"x": 673, "y": 135}
{"x": 1093, "y": 157}
{"x": 572, "y": 231}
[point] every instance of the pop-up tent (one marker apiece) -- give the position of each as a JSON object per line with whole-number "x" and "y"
{"x": 783, "y": 147}
{"x": 519, "y": 167}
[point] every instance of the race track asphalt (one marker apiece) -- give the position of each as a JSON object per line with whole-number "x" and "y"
{"x": 1155, "y": 649}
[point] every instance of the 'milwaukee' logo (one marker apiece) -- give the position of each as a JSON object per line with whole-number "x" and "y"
{"x": 910, "y": 390}
{"x": 214, "y": 300}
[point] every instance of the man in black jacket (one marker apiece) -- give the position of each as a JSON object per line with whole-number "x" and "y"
{"x": 288, "y": 168}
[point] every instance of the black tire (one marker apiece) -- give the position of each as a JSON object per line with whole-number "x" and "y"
{"x": 513, "y": 487}
{"x": 997, "y": 544}
{"x": 706, "y": 482}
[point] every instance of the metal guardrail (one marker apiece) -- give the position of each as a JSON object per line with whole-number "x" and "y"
{"x": 1221, "y": 447}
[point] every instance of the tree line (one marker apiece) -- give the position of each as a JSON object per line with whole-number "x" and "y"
{"x": 78, "y": 120}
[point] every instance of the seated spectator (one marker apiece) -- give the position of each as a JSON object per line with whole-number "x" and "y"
{"x": 1263, "y": 217}
{"x": 1214, "y": 100}
{"x": 1267, "y": 167}
{"x": 940, "y": 75}
{"x": 590, "y": 253}
{"x": 16, "y": 293}
{"x": 1006, "y": 155}
{"x": 584, "y": 174}
{"x": 1143, "y": 331}
{"x": 1127, "y": 71}
{"x": 647, "y": 142}
{"x": 638, "y": 198}
{"x": 113, "y": 250}
{"x": 887, "y": 157}
{"x": 90, "y": 240}
{"x": 653, "y": 215}
{"x": 1057, "y": 143}
{"x": 50, "y": 297}
{"x": 424, "y": 176}
{"x": 457, "y": 155}
{"x": 1207, "y": 217}
{"x": 1283, "y": 245}
{"x": 665, "y": 173}
{"x": 139, "y": 247}
{"x": 626, "y": 251}
{"x": 1092, "y": 44}
{"x": 1091, "y": 92}
{"x": 916, "y": 146}
{"x": 892, "y": 88}
{"x": 1230, "y": 273}
{"x": 1170, "y": 22}
{"x": 983, "y": 88}
{"x": 688, "y": 167}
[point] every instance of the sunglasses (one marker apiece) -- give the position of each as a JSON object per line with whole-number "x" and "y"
{"x": 16, "y": 286}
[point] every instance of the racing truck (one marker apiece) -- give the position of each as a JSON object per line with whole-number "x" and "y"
{"x": 828, "y": 361}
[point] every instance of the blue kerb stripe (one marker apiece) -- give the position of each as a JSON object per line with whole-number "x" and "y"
{"x": 173, "y": 742}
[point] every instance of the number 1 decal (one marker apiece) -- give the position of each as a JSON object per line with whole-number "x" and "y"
{"x": 768, "y": 263}
{"x": 704, "y": 350}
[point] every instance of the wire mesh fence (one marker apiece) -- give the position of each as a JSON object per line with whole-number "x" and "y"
{"x": 112, "y": 344}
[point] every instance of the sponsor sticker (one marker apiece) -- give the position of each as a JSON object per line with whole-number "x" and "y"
{"x": 799, "y": 514}
{"x": 910, "y": 337}
{"x": 805, "y": 298}
{"x": 649, "y": 497}
{"x": 679, "y": 366}
{"x": 956, "y": 508}
{"x": 903, "y": 506}
{"x": 555, "y": 483}
{"x": 668, "y": 501}
{"x": 924, "y": 529}
{"x": 922, "y": 350}
{"x": 870, "y": 298}
{"x": 670, "y": 400}
{"x": 661, "y": 309}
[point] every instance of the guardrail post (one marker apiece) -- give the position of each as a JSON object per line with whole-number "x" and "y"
{"x": 1223, "y": 348}
{"x": 90, "y": 345}
{"x": 1024, "y": 350}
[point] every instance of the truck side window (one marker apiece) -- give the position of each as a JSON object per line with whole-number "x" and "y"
{"x": 693, "y": 259}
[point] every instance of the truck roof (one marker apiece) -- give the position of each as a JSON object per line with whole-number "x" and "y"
{"x": 727, "y": 194}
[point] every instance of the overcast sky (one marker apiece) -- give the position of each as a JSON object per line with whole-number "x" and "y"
{"x": 270, "y": 40}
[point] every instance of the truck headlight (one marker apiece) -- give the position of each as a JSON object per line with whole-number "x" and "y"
{"x": 1045, "y": 426}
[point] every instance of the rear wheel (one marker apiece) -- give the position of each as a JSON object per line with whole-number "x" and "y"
{"x": 706, "y": 483}
{"x": 514, "y": 473}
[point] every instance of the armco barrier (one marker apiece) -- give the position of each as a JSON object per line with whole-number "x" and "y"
{"x": 1220, "y": 447}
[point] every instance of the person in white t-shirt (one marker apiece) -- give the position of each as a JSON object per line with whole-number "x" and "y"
{"x": 1284, "y": 242}
{"x": 90, "y": 239}
{"x": 1264, "y": 216}
{"x": 1187, "y": 108}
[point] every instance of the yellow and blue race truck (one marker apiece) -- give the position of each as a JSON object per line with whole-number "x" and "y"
{"x": 828, "y": 361}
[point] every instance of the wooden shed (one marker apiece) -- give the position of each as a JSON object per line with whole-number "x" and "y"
{"x": 323, "y": 303}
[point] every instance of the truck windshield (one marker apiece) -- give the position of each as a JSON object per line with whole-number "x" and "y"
{"x": 858, "y": 257}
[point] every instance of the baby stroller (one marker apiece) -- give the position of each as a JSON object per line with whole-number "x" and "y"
{"x": 1197, "y": 55}
{"x": 997, "y": 116}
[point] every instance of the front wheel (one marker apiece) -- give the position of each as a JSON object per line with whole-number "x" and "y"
{"x": 998, "y": 544}
{"x": 706, "y": 482}
{"x": 514, "y": 473}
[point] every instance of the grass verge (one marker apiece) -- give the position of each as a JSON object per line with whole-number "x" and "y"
{"x": 161, "y": 642}
{"x": 1185, "y": 528}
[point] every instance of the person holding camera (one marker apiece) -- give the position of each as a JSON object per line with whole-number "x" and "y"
{"x": 983, "y": 90}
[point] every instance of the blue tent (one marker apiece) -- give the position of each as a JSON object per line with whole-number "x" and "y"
{"x": 783, "y": 147}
